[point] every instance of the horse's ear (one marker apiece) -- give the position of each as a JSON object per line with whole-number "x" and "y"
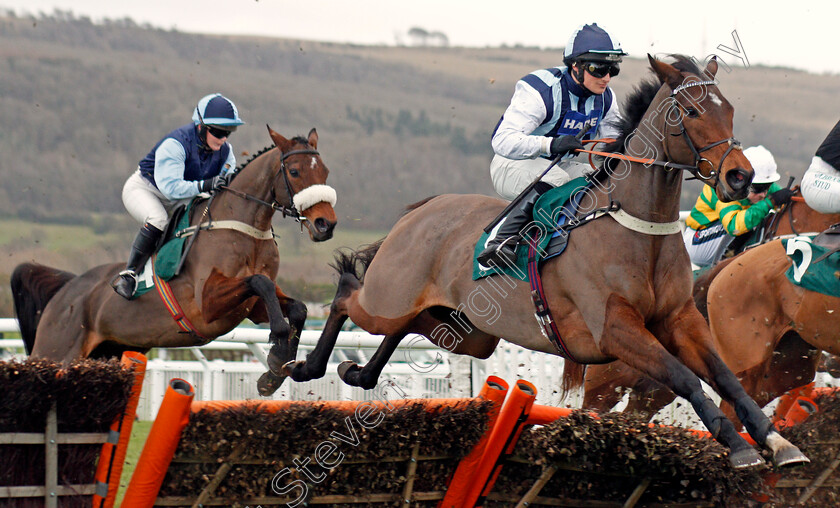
{"x": 279, "y": 141}
{"x": 313, "y": 138}
{"x": 667, "y": 73}
{"x": 711, "y": 67}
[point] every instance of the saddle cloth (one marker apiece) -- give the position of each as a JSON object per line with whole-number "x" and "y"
{"x": 566, "y": 198}
{"x": 168, "y": 256}
{"x": 822, "y": 276}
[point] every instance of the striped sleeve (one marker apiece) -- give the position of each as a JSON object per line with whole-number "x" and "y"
{"x": 704, "y": 211}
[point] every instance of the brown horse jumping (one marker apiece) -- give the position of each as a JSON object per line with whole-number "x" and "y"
{"x": 792, "y": 363}
{"x": 618, "y": 292}
{"x": 227, "y": 276}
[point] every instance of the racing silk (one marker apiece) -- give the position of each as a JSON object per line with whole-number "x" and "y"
{"x": 821, "y": 181}
{"x": 737, "y": 217}
{"x": 177, "y": 163}
{"x": 548, "y": 103}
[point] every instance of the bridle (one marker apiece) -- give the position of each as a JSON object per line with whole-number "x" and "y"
{"x": 287, "y": 211}
{"x": 714, "y": 174}
{"x": 694, "y": 169}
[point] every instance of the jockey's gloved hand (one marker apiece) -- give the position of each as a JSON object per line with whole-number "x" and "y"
{"x": 561, "y": 145}
{"x": 213, "y": 184}
{"x": 781, "y": 197}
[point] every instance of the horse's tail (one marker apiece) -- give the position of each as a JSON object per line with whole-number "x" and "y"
{"x": 355, "y": 262}
{"x": 573, "y": 375}
{"x": 702, "y": 283}
{"x": 33, "y": 286}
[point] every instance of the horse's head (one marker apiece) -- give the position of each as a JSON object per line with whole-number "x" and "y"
{"x": 698, "y": 127}
{"x": 302, "y": 177}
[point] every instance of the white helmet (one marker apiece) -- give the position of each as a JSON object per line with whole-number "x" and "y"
{"x": 763, "y": 164}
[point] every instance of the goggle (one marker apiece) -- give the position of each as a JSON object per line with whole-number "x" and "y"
{"x": 599, "y": 70}
{"x": 758, "y": 188}
{"x": 219, "y": 133}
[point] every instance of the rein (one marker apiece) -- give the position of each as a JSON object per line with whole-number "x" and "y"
{"x": 694, "y": 169}
{"x": 287, "y": 211}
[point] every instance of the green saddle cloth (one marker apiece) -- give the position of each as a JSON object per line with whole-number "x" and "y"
{"x": 167, "y": 258}
{"x": 822, "y": 277}
{"x": 543, "y": 211}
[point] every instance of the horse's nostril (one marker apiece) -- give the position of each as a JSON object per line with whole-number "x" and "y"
{"x": 322, "y": 225}
{"x": 738, "y": 178}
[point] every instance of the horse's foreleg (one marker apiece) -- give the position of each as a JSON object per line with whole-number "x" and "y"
{"x": 626, "y": 338}
{"x": 693, "y": 342}
{"x": 315, "y": 365}
{"x": 367, "y": 376}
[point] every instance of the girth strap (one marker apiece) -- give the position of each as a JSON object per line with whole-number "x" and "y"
{"x": 171, "y": 304}
{"x": 543, "y": 313}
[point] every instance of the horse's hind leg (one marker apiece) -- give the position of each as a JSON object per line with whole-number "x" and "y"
{"x": 626, "y": 337}
{"x": 695, "y": 349}
{"x": 367, "y": 376}
{"x": 315, "y": 365}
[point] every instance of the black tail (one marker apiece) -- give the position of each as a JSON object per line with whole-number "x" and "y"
{"x": 33, "y": 286}
{"x": 355, "y": 262}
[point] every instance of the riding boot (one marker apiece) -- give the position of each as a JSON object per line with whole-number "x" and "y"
{"x": 501, "y": 250}
{"x": 125, "y": 283}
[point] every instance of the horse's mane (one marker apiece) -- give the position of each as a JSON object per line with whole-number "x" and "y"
{"x": 296, "y": 140}
{"x": 640, "y": 99}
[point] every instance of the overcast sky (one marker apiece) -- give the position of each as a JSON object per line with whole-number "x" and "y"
{"x": 794, "y": 34}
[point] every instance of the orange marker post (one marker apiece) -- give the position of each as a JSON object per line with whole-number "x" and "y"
{"x": 172, "y": 417}
{"x": 112, "y": 456}
{"x": 495, "y": 389}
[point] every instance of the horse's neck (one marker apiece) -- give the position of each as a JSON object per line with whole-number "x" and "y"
{"x": 647, "y": 192}
{"x": 808, "y": 220}
{"x": 255, "y": 180}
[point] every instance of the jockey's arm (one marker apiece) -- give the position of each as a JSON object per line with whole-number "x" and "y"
{"x": 170, "y": 157}
{"x": 525, "y": 113}
{"x": 737, "y": 220}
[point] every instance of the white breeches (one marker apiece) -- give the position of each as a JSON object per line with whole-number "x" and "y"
{"x": 146, "y": 203}
{"x": 511, "y": 176}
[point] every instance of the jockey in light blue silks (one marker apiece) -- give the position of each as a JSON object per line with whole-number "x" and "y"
{"x": 191, "y": 159}
{"x": 548, "y": 108}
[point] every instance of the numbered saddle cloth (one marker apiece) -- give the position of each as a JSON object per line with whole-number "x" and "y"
{"x": 821, "y": 277}
{"x": 564, "y": 199}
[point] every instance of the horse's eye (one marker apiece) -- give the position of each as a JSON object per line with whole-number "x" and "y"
{"x": 294, "y": 172}
{"x": 692, "y": 112}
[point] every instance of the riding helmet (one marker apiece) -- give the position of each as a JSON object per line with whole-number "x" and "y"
{"x": 216, "y": 109}
{"x": 591, "y": 43}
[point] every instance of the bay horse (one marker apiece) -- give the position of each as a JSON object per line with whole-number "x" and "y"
{"x": 793, "y": 361}
{"x": 227, "y": 276}
{"x": 616, "y": 293}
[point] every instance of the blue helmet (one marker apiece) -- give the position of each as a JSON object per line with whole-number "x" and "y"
{"x": 216, "y": 109}
{"x": 592, "y": 43}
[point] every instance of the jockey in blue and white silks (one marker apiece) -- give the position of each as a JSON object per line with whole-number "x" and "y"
{"x": 548, "y": 109}
{"x": 191, "y": 159}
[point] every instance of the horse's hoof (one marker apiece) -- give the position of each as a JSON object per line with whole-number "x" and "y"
{"x": 748, "y": 457}
{"x": 344, "y": 368}
{"x": 269, "y": 383}
{"x": 288, "y": 369}
{"x": 789, "y": 456}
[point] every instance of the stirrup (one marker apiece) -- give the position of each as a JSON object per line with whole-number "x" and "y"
{"x": 125, "y": 283}
{"x": 499, "y": 257}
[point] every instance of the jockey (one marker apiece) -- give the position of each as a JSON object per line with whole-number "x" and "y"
{"x": 548, "y": 108}
{"x": 712, "y": 224}
{"x": 189, "y": 160}
{"x": 821, "y": 182}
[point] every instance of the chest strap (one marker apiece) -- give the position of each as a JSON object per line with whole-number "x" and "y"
{"x": 642, "y": 226}
{"x": 249, "y": 230}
